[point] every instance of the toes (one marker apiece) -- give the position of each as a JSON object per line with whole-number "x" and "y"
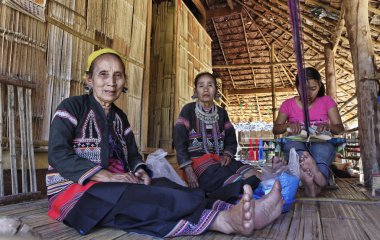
{"x": 248, "y": 190}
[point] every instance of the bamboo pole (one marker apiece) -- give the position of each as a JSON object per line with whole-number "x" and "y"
{"x": 12, "y": 137}
{"x": 21, "y": 114}
{"x": 29, "y": 141}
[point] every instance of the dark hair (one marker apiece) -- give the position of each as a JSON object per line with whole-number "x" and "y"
{"x": 201, "y": 74}
{"x": 91, "y": 70}
{"x": 312, "y": 73}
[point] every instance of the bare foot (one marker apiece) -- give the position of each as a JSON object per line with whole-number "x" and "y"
{"x": 239, "y": 218}
{"x": 308, "y": 162}
{"x": 307, "y": 179}
{"x": 269, "y": 207}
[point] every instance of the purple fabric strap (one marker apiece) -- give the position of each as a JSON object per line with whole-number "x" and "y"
{"x": 295, "y": 17}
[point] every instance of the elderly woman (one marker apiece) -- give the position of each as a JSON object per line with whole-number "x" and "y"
{"x": 205, "y": 142}
{"x": 316, "y": 157}
{"x": 96, "y": 176}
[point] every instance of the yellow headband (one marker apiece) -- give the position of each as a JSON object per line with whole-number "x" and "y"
{"x": 96, "y": 54}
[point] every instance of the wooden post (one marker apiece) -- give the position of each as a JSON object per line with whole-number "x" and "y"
{"x": 1, "y": 143}
{"x": 359, "y": 35}
{"x": 145, "y": 94}
{"x": 272, "y": 77}
{"x": 330, "y": 71}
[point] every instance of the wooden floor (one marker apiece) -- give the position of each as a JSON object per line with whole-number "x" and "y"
{"x": 346, "y": 212}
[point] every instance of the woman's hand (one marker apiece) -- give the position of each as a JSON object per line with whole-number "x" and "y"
{"x": 323, "y": 127}
{"x": 143, "y": 177}
{"x": 225, "y": 160}
{"x": 107, "y": 176}
{"x": 192, "y": 179}
{"x": 294, "y": 128}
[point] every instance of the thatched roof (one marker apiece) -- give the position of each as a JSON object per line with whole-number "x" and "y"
{"x": 243, "y": 32}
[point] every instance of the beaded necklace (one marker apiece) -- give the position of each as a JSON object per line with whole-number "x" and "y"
{"x": 208, "y": 118}
{"x": 208, "y": 121}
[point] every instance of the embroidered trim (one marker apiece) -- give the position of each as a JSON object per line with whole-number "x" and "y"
{"x": 186, "y": 228}
{"x": 66, "y": 115}
{"x": 199, "y": 169}
{"x": 242, "y": 170}
{"x": 89, "y": 174}
{"x": 127, "y": 131}
{"x": 232, "y": 179}
{"x": 221, "y": 206}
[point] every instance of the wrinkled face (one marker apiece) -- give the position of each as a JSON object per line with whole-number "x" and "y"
{"x": 107, "y": 79}
{"x": 312, "y": 90}
{"x": 206, "y": 89}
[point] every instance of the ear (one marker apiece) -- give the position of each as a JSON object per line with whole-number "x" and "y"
{"x": 195, "y": 95}
{"x": 89, "y": 80}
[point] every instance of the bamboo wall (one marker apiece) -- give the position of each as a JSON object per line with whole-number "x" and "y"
{"x": 181, "y": 48}
{"x": 83, "y": 26}
{"x": 42, "y": 63}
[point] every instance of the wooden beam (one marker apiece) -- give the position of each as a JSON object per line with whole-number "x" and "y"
{"x": 17, "y": 81}
{"x": 202, "y": 10}
{"x": 314, "y": 40}
{"x": 338, "y": 32}
{"x": 264, "y": 64}
{"x": 359, "y": 35}
{"x": 221, "y": 12}
{"x": 230, "y": 4}
{"x": 247, "y": 46}
{"x": 336, "y": 11}
{"x": 330, "y": 71}
{"x": 259, "y": 90}
{"x": 272, "y": 81}
{"x": 221, "y": 48}
{"x": 265, "y": 40}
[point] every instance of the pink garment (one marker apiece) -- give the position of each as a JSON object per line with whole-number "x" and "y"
{"x": 318, "y": 112}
